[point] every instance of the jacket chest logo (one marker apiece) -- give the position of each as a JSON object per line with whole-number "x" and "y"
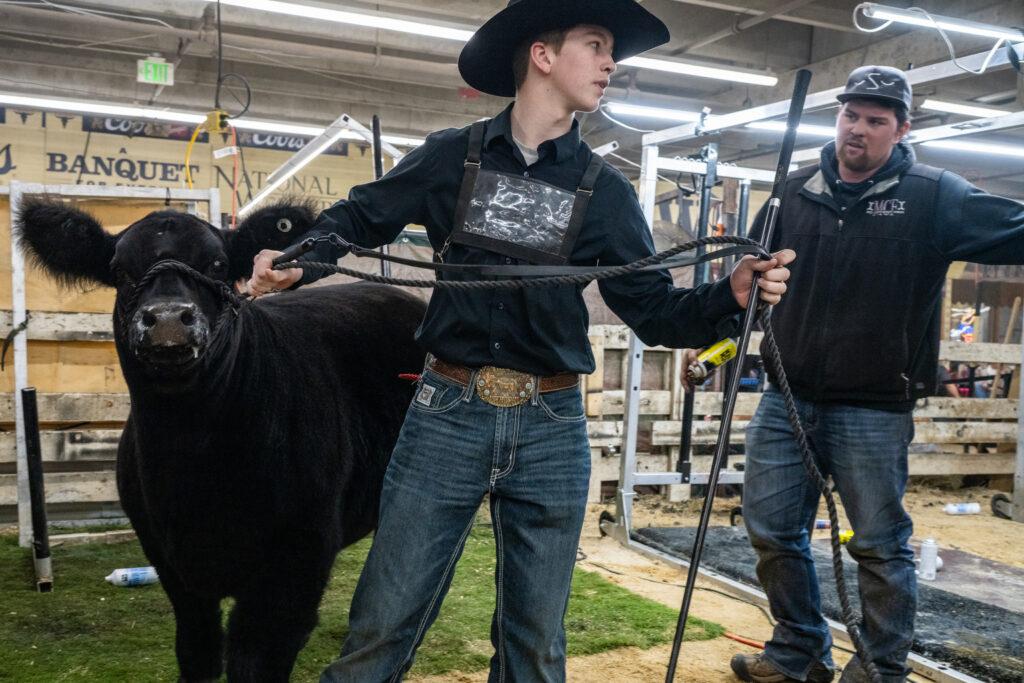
{"x": 886, "y": 207}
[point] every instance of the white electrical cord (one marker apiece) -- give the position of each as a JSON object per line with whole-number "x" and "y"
{"x": 942, "y": 32}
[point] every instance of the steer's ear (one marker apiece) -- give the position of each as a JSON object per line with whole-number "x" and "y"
{"x": 276, "y": 227}
{"x": 70, "y": 245}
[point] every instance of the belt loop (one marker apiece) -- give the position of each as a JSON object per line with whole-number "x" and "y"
{"x": 536, "y": 390}
{"x": 467, "y": 395}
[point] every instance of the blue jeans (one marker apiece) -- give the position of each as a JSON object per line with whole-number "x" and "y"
{"x": 534, "y": 462}
{"x": 865, "y": 451}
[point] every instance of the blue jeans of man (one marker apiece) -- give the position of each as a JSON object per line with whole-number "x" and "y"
{"x": 865, "y": 452}
{"x": 534, "y": 462}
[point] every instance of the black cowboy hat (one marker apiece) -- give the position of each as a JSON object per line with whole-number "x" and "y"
{"x": 486, "y": 60}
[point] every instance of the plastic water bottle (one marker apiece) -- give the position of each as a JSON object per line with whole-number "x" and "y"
{"x": 962, "y": 508}
{"x": 133, "y": 576}
{"x": 929, "y": 559}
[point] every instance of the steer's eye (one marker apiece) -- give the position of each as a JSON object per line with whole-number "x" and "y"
{"x": 284, "y": 225}
{"x": 218, "y": 267}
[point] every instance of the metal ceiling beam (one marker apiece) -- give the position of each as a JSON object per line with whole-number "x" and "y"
{"x": 740, "y": 26}
{"x": 69, "y": 33}
{"x": 953, "y": 130}
{"x": 820, "y": 18}
{"x": 925, "y": 74}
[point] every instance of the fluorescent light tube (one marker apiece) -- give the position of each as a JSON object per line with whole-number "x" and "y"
{"x": 83, "y": 107}
{"x": 156, "y": 114}
{"x": 700, "y": 71}
{"x": 952, "y": 24}
{"x": 354, "y": 18}
{"x": 625, "y": 109}
{"x": 963, "y": 109}
{"x": 804, "y": 129}
{"x": 277, "y": 127}
{"x": 976, "y": 147}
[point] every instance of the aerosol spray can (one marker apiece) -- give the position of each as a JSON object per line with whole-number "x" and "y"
{"x": 929, "y": 559}
{"x": 133, "y": 576}
{"x": 715, "y": 355}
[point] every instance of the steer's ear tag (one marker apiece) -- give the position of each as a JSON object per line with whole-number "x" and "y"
{"x": 426, "y": 393}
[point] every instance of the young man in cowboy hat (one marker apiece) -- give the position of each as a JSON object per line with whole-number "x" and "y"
{"x": 498, "y": 410}
{"x": 876, "y": 232}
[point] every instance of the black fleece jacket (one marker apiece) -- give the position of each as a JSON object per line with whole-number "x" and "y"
{"x": 860, "y": 321}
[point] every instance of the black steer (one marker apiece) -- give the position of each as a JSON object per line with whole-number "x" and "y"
{"x": 259, "y": 432}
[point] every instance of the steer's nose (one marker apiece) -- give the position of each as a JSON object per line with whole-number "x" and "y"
{"x": 168, "y": 323}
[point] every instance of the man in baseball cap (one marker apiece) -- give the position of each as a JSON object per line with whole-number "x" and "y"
{"x": 859, "y": 337}
{"x": 879, "y": 83}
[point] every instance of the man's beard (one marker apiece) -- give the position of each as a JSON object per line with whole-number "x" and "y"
{"x": 859, "y": 163}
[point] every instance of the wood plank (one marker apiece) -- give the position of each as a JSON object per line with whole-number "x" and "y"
{"x": 49, "y": 326}
{"x": 666, "y": 433}
{"x": 919, "y": 464}
{"x": 659, "y": 402}
{"x": 68, "y": 446}
{"x": 79, "y": 366}
{"x": 710, "y": 403}
{"x": 977, "y": 408}
{"x": 604, "y": 433}
{"x": 652, "y": 402}
{"x": 72, "y": 408}
{"x": 100, "y": 538}
{"x": 617, "y": 337}
{"x": 980, "y": 352}
{"x": 935, "y": 464}
{"x": 965, "y": 432}
{"x": 66, "y": 487}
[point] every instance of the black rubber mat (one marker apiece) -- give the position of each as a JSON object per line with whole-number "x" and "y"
{"x": 977, "y": 638}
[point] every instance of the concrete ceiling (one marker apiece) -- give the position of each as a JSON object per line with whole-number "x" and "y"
{"x": 310, "y": 72}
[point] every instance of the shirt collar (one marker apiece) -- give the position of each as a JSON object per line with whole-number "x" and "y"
{"x": 565, "y": 146}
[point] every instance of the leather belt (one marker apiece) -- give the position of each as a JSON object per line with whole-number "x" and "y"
{"x": 500, "y": 386}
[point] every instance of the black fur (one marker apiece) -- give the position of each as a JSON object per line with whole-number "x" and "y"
{"x": 66, "y": 242}
{"x": 245, "y": 474}
{"x": 276, "y": 226}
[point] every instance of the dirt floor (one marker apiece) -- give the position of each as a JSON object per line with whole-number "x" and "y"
{"x": 708, "y": 661}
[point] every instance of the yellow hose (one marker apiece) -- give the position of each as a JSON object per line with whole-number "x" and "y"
{"x": 188, "y": 154}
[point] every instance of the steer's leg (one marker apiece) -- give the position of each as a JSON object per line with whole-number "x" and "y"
{"x": 199, "y": 640}
{"x": 269, "y": 625}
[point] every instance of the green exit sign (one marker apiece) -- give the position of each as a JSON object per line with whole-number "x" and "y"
{"x": 156, "y": 71}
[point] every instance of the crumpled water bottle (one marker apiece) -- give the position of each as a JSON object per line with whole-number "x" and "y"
{"x": 962, "y": 508}
{"x": 133, "y": 576}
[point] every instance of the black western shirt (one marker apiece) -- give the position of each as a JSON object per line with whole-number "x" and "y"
{"x": 540, "y": 331}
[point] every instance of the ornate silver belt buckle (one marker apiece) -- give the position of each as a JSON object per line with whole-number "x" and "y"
{"x": 502, "y": 387}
